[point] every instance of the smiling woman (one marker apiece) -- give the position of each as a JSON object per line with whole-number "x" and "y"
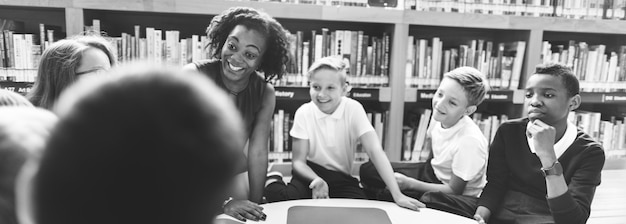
{"x": 64, "y": 62}
{"x": 244, "y": 42}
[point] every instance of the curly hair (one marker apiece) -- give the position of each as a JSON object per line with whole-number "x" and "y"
{"x": 277, "y": 52}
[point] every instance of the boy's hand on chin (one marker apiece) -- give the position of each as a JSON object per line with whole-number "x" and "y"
{"x": 542, "y": 136}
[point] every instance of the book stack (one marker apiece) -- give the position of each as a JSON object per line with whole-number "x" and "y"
{"x": 610, "y": 133}
{"x": 20, "y": 52}
{"x": 598, "y": 68}
{"x": 366, "y": 57}
{"x": 575, "y": 9}
{"x": 158, "y": 45}
{"x": 501, "y": 63}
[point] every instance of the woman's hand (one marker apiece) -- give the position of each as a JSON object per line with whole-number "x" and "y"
{"x": 244, "y": 210}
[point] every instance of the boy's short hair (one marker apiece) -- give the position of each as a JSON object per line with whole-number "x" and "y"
{"x": 564, "y": 72}
{"x": 473, "y": 82}
{"x": 10, "y": 98}
{"x": 334, "y": 63}
{"x": 23, "y": 131}
{"x": 146, "y": 144}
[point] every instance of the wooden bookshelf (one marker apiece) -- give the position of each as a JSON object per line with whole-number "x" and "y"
{"x": 192, "y": 16}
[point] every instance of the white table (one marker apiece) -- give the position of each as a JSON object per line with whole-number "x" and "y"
{"x": 277, "y": 212}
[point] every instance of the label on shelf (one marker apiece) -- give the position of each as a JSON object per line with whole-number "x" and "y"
{"x": 302, "y": 93}
{"x": 292, "y": 93}
{"x": 499, "y": 96}
{"x": 616, "y": 97}
{"x": 19, "y": 87}
{"x": 507, "y": 96}
{"x": 364, "y": 94}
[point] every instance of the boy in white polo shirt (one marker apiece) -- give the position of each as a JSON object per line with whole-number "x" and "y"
{"x": 325, "y": 133}
{"x": 459, "y": 149}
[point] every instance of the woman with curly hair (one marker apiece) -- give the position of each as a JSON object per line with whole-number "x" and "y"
{"x": 248, "y": 48}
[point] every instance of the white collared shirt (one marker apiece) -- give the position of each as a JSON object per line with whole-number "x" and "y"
{"x": 332, "y": 137}
{"x": 461, "y": 150}
{"x": 561, "y": 146}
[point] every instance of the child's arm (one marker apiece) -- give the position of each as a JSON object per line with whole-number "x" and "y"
{"x": 300, "y": 150}
{"x": 372, "y": 146}
{"x": 457, "y": 185}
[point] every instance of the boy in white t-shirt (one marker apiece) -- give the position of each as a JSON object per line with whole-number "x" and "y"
{"x": 325, "y": 133}
{"x": 459, "y": 149}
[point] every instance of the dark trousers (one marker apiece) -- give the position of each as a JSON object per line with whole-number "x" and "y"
{"x": 340, "y": 185}
{"x": 457, "y": 204}
{"x": 375, "y": 187}
{"x": 517, "y": 208}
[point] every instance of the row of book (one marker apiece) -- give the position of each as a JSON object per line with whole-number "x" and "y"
{"x": 366, "y": 56}
{"x": 501, "y": 63}
{"x": 363, "y": 59}
{"x": 18, "y": 51}
{"x": 356, "y": 3}
{"x": 22, "y": 51}
{"x": 597, "y": 67}
{"x": 610, "y": 133}
{"x": 415, "y": 141}
{"x": 280, "y": 142}
{"x": 575, "y": 9}
{"x": 158, "y": 45}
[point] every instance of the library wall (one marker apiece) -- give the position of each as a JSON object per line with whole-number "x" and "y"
{"x": 397, "y": 55}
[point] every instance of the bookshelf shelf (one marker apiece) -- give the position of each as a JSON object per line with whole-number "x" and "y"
{"x": 30, "y": 17}
{"x": 38, "y": 3}
{"x": 618, "y": 98}
{"x": 360, "y": 94}
{"x": 20, "y": 87}
{"x": 505, "y": 22}
{"x": 496, "y": 96}
{"x": 290, "y": 11}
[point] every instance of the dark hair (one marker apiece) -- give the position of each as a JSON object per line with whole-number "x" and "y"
{"x": 146, "y": 145}
{"x": 277, "y": 54}
{"x": 565, "y": 73}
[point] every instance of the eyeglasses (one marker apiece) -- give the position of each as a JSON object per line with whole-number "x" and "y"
{"x": 92, "y": 71}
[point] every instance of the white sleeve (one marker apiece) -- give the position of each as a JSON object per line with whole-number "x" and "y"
{"x": 360, "y": 123}
{"x": 298, "y": 130}
{"x": 470, "y": 159}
